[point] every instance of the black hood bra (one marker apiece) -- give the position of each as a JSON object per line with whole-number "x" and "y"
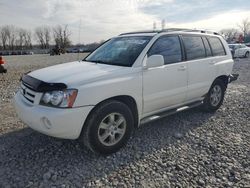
{"x": 41, "y": 86}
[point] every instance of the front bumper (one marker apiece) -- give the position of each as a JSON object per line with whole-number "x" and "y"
{"x": 56, "y": 122}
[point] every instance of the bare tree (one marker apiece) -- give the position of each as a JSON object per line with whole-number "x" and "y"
{"x": 229, "y": 34}
{"x": 21, "y": 33}
{"x": 61, "y": 36}
{"x": 3, "y": 35}
{"x": 24, "y": 39}
{"x": 27, "y": 40}
{"x": 42, "y": 35}
{"x": 46, "y": 36}
{"x": 244, "y": 26}
{"x": 11, "y": 36}
{"x": 8, "y": 36}
{"x": 39, "y": 36}
{"x": 15, "y": 38}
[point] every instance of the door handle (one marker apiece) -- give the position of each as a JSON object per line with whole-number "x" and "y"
{"x": 182, "y": 68}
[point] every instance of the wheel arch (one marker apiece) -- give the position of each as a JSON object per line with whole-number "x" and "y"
{"x": 126, "y": 99}
{"x": 224, "y": 78}
{"x": 131, "y": 103}
{"x": 247, "y": 52}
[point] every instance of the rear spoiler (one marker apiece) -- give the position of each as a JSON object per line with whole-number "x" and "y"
{"x": 232, "y": 77}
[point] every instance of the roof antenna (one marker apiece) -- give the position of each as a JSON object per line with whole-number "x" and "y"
{"x": 79, "y": 38}
{"x": 163, "y": 24}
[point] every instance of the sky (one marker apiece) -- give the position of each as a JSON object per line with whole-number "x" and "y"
{"x": 98, "y": 20}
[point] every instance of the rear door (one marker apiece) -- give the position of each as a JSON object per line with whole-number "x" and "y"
{"x": 201, "y": 66}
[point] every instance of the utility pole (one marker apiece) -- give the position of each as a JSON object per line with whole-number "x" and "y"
{"x": 154, "y": 26}
{"x": 163, "y": 23}
{"x": 79, "y": 38}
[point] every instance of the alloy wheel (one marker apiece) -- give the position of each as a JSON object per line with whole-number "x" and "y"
{"x": 112, "y": 129}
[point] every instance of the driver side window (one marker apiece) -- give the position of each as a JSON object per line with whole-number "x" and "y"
{"x": 169, "y": 47}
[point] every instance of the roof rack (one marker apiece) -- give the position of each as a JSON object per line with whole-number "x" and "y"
{"x": 190, "y": 30}
{"x": 172, "y": 30}
{"x": 138, "y": 32}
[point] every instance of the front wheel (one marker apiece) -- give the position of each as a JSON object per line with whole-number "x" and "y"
{"x": 108, "y": 127}
{"x": 215, "y": 96}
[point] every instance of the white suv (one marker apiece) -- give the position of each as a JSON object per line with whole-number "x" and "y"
{"x": 129, "y": 80}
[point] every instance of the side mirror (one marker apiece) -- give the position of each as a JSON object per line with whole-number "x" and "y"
{"x": 155, "y": 61}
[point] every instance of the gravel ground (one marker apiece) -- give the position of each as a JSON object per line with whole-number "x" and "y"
{"x": 189, "y": 149}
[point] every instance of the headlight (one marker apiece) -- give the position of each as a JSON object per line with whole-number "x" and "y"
{"x": 62, "y": 99}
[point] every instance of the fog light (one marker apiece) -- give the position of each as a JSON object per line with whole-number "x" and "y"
{"x": 46, "y": 122}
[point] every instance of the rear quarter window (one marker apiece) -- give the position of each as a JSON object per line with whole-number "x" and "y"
{"x": 207, "y": 47}
{"x": 217, "y": 46}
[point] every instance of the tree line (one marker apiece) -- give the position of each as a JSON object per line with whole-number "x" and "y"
{"x": 240, "y": 34}
{"x": 17, "y": 38}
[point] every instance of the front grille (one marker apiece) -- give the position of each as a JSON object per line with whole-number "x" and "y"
{"x": 27, "y": 93}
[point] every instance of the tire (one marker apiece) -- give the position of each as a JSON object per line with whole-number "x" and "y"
{"x": 247, "y": 55}
{"x": 217, "y": 91}
{"x": 108, "y": 127}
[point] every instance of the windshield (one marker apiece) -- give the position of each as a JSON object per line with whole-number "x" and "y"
{"x": 232, "y": 46}
{"x": 121, "y": 51}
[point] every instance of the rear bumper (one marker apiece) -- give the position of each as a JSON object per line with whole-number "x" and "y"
{"x": 232, "y": 77}
{"x": 61, "y": 123}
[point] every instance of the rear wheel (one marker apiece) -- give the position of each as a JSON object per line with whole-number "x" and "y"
{"x": 247, "y": 55}
{"x": 108, "y": 127}
{"x": 215, "y": 96}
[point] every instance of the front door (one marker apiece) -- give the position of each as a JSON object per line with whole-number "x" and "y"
{"x": 165, "y": 86}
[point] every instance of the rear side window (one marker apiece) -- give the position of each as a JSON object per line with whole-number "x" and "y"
{"x": 169, "y": 47}
{"x": 207, "y": 47}
{"x": 194, "y": 47}
{"x": 217, "y": 47}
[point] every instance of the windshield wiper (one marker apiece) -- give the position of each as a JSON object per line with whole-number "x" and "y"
{"x": 98, "y": 61}
{"x": 105, "y": 62}
{"x": 101, "y": 62}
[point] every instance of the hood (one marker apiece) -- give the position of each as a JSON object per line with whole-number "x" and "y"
{"x": 75, "y": 72}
